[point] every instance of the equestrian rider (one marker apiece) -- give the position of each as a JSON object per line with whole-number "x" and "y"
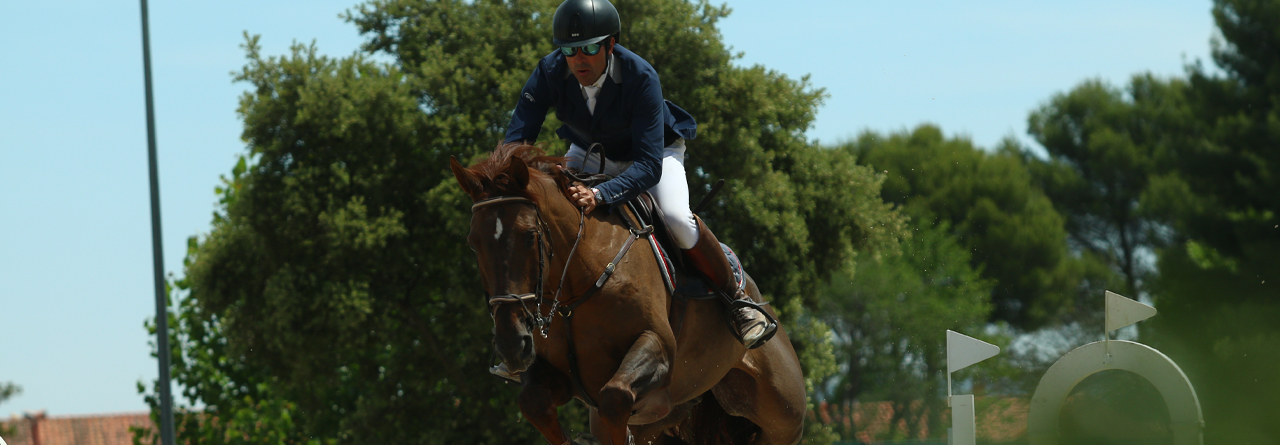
{"x": 606, "y": 94}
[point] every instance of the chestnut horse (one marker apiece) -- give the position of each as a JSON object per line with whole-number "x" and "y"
{"x": 625, "y": 357}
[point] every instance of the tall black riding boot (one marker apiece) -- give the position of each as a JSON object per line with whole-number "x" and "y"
{"x": 753, "y": 327}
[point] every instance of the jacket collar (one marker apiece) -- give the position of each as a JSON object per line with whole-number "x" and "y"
{"x": 615, "y": 72}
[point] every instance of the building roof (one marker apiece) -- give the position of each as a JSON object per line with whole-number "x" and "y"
{"x": 95, "y": 429}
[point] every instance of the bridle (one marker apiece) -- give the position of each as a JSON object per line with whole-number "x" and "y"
{"x": 533, "y": 318}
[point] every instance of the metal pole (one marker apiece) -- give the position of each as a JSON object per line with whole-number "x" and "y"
{"x": 162, "y": 314}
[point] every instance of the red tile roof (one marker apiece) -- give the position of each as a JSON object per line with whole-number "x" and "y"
{"x": 96, "y": 429}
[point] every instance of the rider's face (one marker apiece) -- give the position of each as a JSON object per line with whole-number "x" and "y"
{"x": 587, "y": 69}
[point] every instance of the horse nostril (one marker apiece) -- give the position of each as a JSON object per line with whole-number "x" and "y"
{"x": 526, "y": 345}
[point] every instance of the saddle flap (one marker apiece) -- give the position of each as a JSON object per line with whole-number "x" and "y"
{"x": 693, "y": 286}
{"x": 681, "y": 282}
{"x": 648, "y": 214}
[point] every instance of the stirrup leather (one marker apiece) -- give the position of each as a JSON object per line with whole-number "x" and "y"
{"x": 710, "y": 257}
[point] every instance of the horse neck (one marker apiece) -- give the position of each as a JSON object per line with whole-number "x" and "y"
{"x": 602, "y": 235}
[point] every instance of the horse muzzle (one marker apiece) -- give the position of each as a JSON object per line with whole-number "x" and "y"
{"x": 517, "y": 352}
{"x": 513, "y": 338}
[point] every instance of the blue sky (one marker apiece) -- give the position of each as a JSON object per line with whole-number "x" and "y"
{"x": 75, "y": 245}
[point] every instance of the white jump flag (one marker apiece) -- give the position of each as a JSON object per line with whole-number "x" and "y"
{"x": 963, "y": 351}
{"x": 1121, "y": 312}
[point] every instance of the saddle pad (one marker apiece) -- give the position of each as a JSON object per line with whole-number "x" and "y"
{"x": 665, "y": 264}
{"x": 660, "y": 241}
{"x": 681, "y": 280}
{"x": 692, "y": 285}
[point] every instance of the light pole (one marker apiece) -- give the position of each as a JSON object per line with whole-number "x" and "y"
{"x": 162, "y": 314}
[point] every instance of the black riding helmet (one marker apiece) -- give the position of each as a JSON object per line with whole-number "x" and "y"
{"x": 583, "y": 22}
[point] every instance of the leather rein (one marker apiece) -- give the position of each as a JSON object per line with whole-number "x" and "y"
{"x": 533, "y": 318}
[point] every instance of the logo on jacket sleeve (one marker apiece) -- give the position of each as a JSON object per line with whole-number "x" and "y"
{"x": 529, "y": 96}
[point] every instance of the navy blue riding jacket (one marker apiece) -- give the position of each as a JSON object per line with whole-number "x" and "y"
{"x": 632, "y": 121}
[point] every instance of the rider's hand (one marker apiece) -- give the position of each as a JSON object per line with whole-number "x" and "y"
{"x": 582, "y": 196}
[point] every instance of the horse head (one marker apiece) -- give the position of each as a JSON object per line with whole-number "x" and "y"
{"x": 512, "y": 242}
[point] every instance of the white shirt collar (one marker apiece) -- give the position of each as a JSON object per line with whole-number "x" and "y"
{"x": 600, "y": 81}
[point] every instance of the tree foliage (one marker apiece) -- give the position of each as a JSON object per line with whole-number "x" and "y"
{"x": 335, "y": 299}
{"x": 7, "y": 391}
{"x": 1108, "y": 152}
{"x": 989, "y": 200}
{"x": 1231, "y": 172}
{"x": 888, "y": 316}
{"x": 1187, "y": 168}
{"x": 1219, "y": 281}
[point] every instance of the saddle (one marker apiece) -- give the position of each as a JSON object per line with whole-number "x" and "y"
{"x": 682, "y": 282}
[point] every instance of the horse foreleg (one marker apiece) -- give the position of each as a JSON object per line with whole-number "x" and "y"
{"x": 643, "y": 376}
{"x": 543, "y": 389}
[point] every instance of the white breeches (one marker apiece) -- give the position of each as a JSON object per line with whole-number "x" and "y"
{"x": 671, "y": 193}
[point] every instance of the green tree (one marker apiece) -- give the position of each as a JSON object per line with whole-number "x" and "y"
{"x": 751, "y": 120}
{"x": 1195, "y": 159}
{"x": 1219, "y": 281}
{"x": 335, "y": 298}
{"x": 1105, "y": 147}
{"x": 888, "y": 316}
{"x": 8, "y": 390}
{"x": 991, "y": 203}
{"x": 1231, "y": 172}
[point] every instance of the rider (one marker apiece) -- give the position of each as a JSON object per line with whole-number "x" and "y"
{"x": 605, "y": 94}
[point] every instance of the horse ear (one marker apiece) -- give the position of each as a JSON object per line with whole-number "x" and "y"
{"x": 466, "y": 178}
{"x": 519, "y": 172}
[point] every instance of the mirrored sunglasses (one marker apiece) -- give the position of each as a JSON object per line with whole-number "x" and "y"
{"x": 589, "y": 50}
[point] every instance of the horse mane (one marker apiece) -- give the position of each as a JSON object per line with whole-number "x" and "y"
{"x": 492, "y": 171}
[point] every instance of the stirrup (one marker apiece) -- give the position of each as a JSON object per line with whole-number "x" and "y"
{"x": 500, "y": 370}
{"x": 770, "y": 326}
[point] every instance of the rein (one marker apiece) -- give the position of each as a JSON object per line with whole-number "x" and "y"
{"x": 543, "y": 324}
